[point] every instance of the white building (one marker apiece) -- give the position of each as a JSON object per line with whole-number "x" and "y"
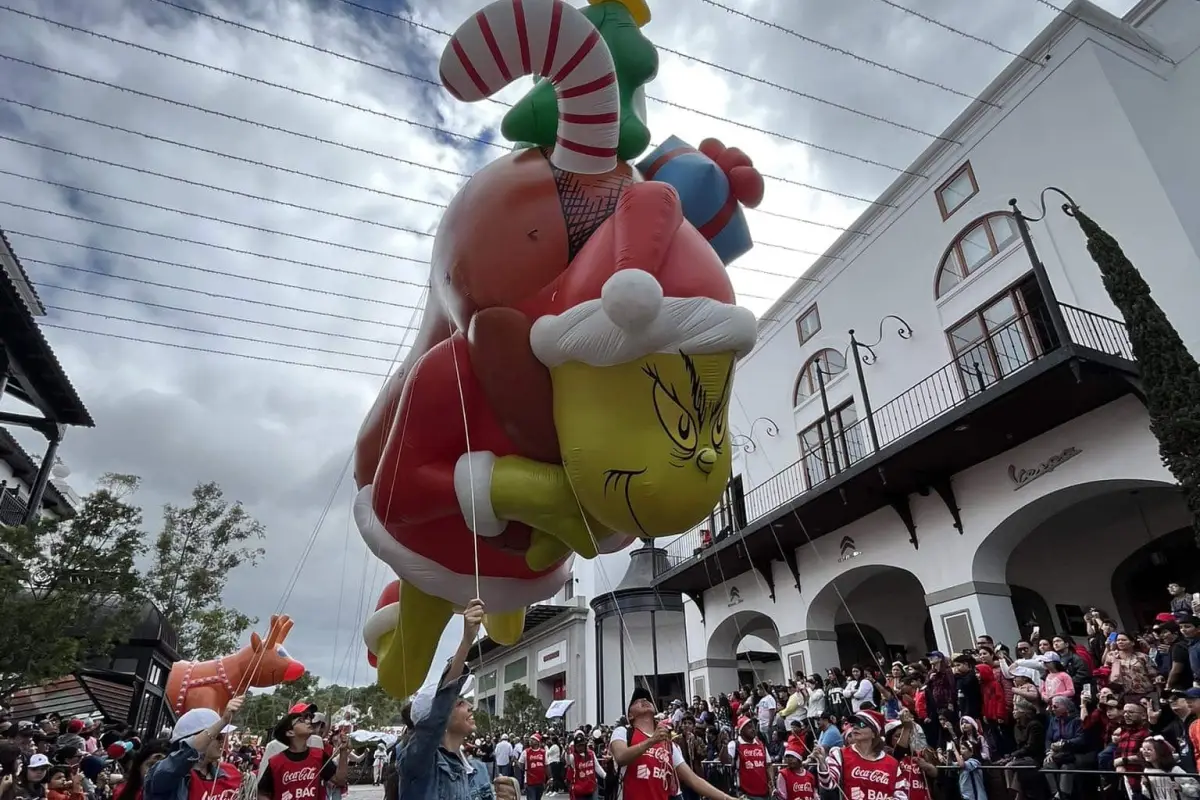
{"x": 1010, "y": 479}
{"x": 1012, "y": 446}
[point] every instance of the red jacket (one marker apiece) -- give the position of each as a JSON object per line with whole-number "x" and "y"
{"x": 994, "y": 707}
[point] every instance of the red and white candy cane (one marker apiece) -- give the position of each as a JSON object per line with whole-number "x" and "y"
{"x": 511, "y": 39}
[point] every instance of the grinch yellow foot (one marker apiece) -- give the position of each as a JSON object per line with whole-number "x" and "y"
{"x": 505, "y": 627}
{"x": 544, "y": 551}
{"x": 403, "y": 637}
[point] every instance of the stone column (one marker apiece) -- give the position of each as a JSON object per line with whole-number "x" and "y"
{"x": 963, "y": 612}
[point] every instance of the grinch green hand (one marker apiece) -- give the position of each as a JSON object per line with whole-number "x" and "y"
{"x": 534, "y": 120}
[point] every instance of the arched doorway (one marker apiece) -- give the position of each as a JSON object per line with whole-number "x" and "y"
{"x": 878, "y": 613}
{"x": 1139, "y": 583}
{"x": 751, "y": 639}
{"x": 1074, "y": 549}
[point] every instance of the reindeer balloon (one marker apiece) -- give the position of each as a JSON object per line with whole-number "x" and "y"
{"x": 569, "y": 388}
{"x": 212, "y": 684}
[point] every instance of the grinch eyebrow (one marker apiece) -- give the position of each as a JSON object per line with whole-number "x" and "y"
{"x": 699, "y": 395}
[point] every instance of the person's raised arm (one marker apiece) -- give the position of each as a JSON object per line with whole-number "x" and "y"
{"x": 421, "y": 747}
{"x": 625, "y": 754}
{"x": 699, "y": 785}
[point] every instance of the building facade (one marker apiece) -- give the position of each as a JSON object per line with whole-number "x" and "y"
{"x": 936, "y": 438}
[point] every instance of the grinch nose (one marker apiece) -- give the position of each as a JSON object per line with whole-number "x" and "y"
{"x": 706, "y": 459}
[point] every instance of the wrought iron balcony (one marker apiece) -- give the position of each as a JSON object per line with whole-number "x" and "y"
{"x": 1017, "y": 377}
{"x": 12, "y": 508}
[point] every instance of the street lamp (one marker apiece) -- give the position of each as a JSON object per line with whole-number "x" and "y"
{"x": 865, "y": 354}
{"x": 1057, "y": 321}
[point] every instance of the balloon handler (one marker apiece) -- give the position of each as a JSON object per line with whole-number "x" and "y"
{"x": 569, "y": 388}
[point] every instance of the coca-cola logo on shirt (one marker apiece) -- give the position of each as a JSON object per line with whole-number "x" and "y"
{"x": 871, "y": 775}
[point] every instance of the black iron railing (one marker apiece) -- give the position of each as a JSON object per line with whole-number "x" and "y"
{"x": 12, "y": 508}
{"x": 979, "y": 367}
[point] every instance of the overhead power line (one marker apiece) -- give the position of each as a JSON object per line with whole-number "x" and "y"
{"x": 208, "y": 271}
{"x": 842, "y": 51}
{"x": 230, "y": 117}
{"x": 216, "y": 296}
{"x": 222, "y": 154}
{"x": 962, "y": 33}
{"x": 211, "y": 187}
{"x": 679, "y": 54}
{"x": 669, "y": 103}
{"x": 219, "y": 220}
{"x": 252, "y": 79}
{"x": 198, "y": 349}
{"x": 200, "y": 243}
{"x": 347, "y": 184}
{"x": 202, "y": 332}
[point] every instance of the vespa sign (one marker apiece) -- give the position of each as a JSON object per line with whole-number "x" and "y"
{"x": 1023, "y": 477}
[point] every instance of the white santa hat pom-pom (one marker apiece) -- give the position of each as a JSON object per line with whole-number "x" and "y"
{"x": 632, "y": 299}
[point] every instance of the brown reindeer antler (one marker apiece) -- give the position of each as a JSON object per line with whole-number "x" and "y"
{"x": 281, "y": 625}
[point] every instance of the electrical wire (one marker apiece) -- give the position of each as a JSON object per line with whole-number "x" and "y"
{"x": 215, "y": 296}
{"x": 226, "y": 116}
{"x": 252, "y": 79}
{"x": 211, "y": 187}
{"x": 198, "y": 349}
{"x": 205, "y": 270}
{"x": 221, "y": 154}
{"x": 843, "y": 52}
{"x": 375, "y": 190}
{"x": 962, "y": 33}
{"x": 201, "y": 243}
{"x": 222, "y": 221}
{"x": 497, "y": 101}
{"x": 679, "y": 54}
{"x": 218, "y": 334}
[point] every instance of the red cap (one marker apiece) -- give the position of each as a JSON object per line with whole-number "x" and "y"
{"x": 75, "y": 726}
{"x": 303, "y": 708}
{"x": 115, "y": 751}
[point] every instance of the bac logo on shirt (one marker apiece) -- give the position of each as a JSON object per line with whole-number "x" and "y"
{"x": 643, "y": 772}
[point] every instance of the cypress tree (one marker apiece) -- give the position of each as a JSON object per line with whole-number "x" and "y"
{"x": 1170, "y": 375}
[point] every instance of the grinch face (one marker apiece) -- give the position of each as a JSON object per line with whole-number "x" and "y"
{"x": 645, "y": 444}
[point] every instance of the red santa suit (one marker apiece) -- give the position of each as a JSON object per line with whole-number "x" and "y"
{"x": 645, "y": 282}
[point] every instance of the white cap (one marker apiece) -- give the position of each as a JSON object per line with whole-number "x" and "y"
{"x": 38, "y": 761}
{"x": 195, "y": 722}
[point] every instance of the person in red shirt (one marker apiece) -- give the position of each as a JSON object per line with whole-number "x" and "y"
{"x": 862, "y": 769}
{"x": 300, "y": 772}
{"x": 584, "y": 772}
{"x": 533, "y": 759}
{"x": 748, "y": 754}
{"x": 794, "y": 781}
{"x": 651, "y": 766}
{"x": 919, "y": 772}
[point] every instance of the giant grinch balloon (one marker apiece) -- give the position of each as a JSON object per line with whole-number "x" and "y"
{"x": 569, "y": 388}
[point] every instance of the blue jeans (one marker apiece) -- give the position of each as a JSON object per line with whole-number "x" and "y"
{"x": 534, "y": 792}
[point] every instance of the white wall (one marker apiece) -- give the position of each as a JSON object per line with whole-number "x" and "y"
{"x": 1103, "y": 125}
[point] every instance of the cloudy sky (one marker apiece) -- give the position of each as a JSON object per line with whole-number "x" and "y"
{"x": 316, "y": 256}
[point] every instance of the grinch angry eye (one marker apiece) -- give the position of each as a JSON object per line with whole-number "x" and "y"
{"x": 675, "y": 420}
{"x": 718, "y": 430}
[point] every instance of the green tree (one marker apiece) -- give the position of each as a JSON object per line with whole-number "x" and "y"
{"x": 1170, "y": 376}
{"x": 523, "y": 711}
{"x": 69, "y": 589}
{"x": 199, "y": 546}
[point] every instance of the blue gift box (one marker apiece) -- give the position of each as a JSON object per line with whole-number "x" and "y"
{"x": 704, "y": 192}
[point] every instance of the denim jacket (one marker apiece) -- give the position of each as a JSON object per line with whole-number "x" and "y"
{"x": 169, "y": 778}
{"x": 428, "y": 771}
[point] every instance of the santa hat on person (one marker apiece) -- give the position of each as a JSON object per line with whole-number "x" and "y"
{"x": 646, "y": 282}
{"x": 537, "y": 737}
{"x": 795, "y": 748}
{"x": 743, "y": 722}
{"x": 872, "y": 719}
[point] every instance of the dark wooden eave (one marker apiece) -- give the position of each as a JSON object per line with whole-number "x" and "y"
{"x": 36, "y": 376}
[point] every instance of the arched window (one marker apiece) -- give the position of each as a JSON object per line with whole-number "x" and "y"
{"x": 978, "y": 244}
{"x": 830, "y": 362}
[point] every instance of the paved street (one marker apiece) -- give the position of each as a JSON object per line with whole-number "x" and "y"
{"x": 366, "y": 792}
